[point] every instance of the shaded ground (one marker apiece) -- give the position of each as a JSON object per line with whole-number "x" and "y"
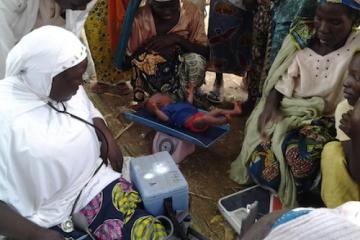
{"x": 206, "y": 170}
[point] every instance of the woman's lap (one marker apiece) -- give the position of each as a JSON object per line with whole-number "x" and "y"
{"x": 115, "y": 214}
{"x": 302, "y": 152}
{"x": 264, "y": 167}
{"x": 170, "y": 75}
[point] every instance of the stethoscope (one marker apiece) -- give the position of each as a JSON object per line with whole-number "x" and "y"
{"x": 105, "y": 160}
{"x": 77, "y": 219}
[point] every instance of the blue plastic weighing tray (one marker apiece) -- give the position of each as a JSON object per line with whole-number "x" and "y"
{"x": 204, "y": 139}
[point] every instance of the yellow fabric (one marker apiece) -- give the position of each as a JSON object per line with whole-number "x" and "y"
{"x": 337, "y": 186}
{"x": 342, "y": 107}
{"x": 125, "y": 202}
{"x": 148, "y": 228}
{"x": 96, "y": 28}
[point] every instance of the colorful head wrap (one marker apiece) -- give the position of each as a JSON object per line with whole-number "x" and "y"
{"x": 354, "y": 4}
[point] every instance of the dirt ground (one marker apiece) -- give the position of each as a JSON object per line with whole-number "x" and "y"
{"x": 206, "y": 170}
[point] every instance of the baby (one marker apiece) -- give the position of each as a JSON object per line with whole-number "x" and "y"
{"x": 184, "y": 114}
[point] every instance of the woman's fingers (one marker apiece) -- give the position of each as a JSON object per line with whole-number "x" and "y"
{"x": 263, "y": 120}
{"x": 155, "y": 45}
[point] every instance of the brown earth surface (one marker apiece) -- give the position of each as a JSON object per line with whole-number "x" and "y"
{"x": 206, "y": 170}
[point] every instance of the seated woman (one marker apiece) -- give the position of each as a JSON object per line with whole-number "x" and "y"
{"x": 286, "y": 132}
{"x": 51, "y": 160}
{"x": 168, "y": 48}
{"x": 340, "y": 166}
{"x": 184, "y": 114}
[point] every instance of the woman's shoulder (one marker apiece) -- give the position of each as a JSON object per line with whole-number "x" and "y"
{"x": 143, "y": 12}
{"x": 190, "y": 7}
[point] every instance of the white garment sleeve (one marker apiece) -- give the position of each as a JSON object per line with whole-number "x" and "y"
{"x": 350, "y": 211}
{"x": 288, "y": 81}
{"x": 5, "y": 141}
{"x": 94, "y": 112}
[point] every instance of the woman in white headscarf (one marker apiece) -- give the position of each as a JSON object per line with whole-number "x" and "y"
{"x": 19, "y": 17}
{"x": 52, "y": 142}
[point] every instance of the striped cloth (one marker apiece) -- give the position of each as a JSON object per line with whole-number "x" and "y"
{"x": 321, "y": 224}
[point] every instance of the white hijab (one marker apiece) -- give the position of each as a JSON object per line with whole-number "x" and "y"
{"x": 35, "y": 60}
{"x": 46, "y": 157}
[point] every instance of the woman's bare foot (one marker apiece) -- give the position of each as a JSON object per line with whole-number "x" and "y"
{"x": 99, "y": 88}
{"x": 122, "y": 89}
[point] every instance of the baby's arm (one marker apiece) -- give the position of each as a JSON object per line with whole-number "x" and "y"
{"x": 190, "y": 93}
{"x": 153, "y": 108}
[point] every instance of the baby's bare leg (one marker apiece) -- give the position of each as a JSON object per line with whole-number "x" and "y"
{"x": 224, "y": 112}
{"x": 203, "y": 121}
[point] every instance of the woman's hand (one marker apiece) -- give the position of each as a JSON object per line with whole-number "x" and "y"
{"x": 354, "y": 134}
{"x": 163, "y": 42}
{"x": 345, "y": 123}
{"x": 355, "y": 120}
{"x": 115, "y": 155}
{"x": 270, "y": 112}
{"x": 46, "y": 234}
{"x": 109, "y": 145}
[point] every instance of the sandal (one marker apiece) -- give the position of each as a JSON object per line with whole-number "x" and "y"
{"x": 139, "y": 95}
{"x": 136, "y": 106}
{"x": 214, "y": 97}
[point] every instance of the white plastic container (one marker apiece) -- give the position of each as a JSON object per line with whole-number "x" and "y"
{"x": 157, "y": 177}
{"x": 241, "y": 209}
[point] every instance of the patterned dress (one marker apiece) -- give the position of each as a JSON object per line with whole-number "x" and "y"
{"x": 97, "y": 33}
{"x": 302, "y": 149}
{"x": 229, "y": 33}
{"x": 155, "y": 72}
{"x": 114, "y": 214}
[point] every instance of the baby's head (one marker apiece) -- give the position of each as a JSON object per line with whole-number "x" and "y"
{"x": 352, "y": 82}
